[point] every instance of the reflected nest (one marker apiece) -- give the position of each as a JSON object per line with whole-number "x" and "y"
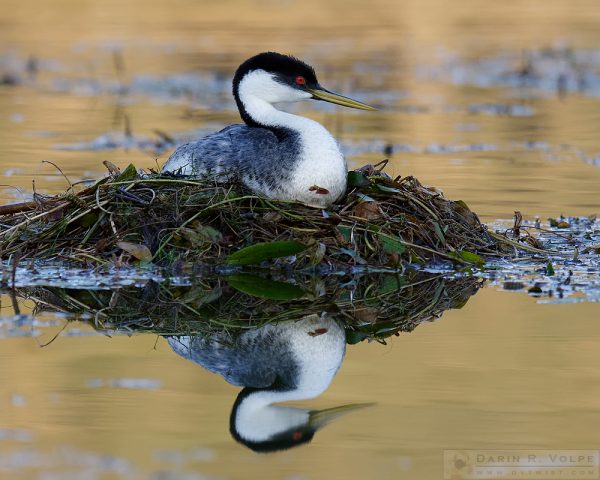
{"x": 370, "y": 306}
{"x": 130, "y": 217}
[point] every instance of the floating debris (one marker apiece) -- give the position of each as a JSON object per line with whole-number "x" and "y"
{"x": 569, "y": 272}
{"x": 559, "y": 70}
{"x": 128, "y": 383}
{"x": 157, "y": 144}
{"x": 510, "y": 110}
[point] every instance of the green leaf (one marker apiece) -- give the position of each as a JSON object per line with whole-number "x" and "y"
{"x": 357, "y": 179}
{"x": 201, "y": 235}
{"x": 264, "y": 251}
{"x": 346, "y": 232}
{"x": 438, "y": 233}
{"x": 470, "y": 257}
{"x": 264, "y": 288}
{"x": 391, "y": 283}
{"x": 128, "y": 174}
{"x": 353, "y": 337}
{"x": 392, "y": 244}
{"x": 386, "y": 189}
{"x": 549, "y": 269}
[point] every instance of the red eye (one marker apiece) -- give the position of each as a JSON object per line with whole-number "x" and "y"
{"x": 297, "y": 435}
{"x": 300, "y": 80}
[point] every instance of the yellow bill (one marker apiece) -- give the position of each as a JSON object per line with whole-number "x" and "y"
{"x": 327, "y": 96}
{"x": 320, "y": 418}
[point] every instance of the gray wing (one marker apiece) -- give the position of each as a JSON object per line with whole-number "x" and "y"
{"x": 232, "y": 150}
{"x": 253, "y": 359}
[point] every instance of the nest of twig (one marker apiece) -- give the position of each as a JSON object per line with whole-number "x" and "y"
{"x": 134, "y": 217}
{"x": 370, "y": 306}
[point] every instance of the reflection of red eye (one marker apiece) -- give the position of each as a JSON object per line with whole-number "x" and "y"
{"x": 300, "y": 80}
{"x": 297, "y": 435}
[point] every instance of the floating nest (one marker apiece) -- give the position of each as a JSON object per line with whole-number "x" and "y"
{"x": 134, "y": 217}
{"x": 371, "y": 307}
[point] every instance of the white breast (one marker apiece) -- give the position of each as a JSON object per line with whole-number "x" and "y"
{"x": 321, "y": 166}
{"x": 319, "y": 177}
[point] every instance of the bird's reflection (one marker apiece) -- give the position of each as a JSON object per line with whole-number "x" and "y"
{"x": 274, "y": 339}
{"x": 274, "y": 363}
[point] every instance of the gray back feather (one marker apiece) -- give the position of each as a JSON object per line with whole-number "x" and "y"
{"x": 257, "y": 358}
{"x": 252, "y": 154}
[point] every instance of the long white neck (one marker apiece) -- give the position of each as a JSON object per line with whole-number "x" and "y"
{"x": 320, "y": 162}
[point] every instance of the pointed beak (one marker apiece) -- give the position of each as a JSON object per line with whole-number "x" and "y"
{"x": 327, "y": 96}
{"x": 320, "y": 418}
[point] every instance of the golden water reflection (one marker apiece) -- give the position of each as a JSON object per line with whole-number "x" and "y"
{"x": 512, "y": 376}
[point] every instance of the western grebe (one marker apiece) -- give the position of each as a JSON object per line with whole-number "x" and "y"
{"x": 275, "y": 363}
{"x": 276, "y": 154}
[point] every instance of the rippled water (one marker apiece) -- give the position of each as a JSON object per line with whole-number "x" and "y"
{"x": 497, "y": 106}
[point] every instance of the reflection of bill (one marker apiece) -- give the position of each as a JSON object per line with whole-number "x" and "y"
{"x": 275, "y": 363}
{"x": 521, "y": 464}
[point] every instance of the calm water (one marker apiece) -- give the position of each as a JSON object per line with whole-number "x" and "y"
{"x": 473, "y": 102}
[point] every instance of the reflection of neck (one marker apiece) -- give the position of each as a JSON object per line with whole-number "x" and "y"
{"x": 255, "y": 419}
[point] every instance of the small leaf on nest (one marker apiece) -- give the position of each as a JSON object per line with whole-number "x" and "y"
{"x": 264, "y": 251}
{"x": 368, "y": 210}
{"x": 469, "y": 257}
{"x": 138, "y": 250}
{"x": 345, "y": 232}
{"x": 387, "y": 189}
{"x": 438, "y": 233}
{"x": 392, "y": 245}
{"x": 563, "y": 224}
{"x": 549, "y": 269}
{"x": 264, "y": 288}
{"x": 201, "y": 234}
{"x": 353, "y": 337}
{"x": 357, "y": 179}
{"x": 128, "y": 174}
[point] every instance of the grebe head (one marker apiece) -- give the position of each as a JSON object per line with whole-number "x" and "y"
{"x": 270, "y": 77}
{"x": 263, "y": 427}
